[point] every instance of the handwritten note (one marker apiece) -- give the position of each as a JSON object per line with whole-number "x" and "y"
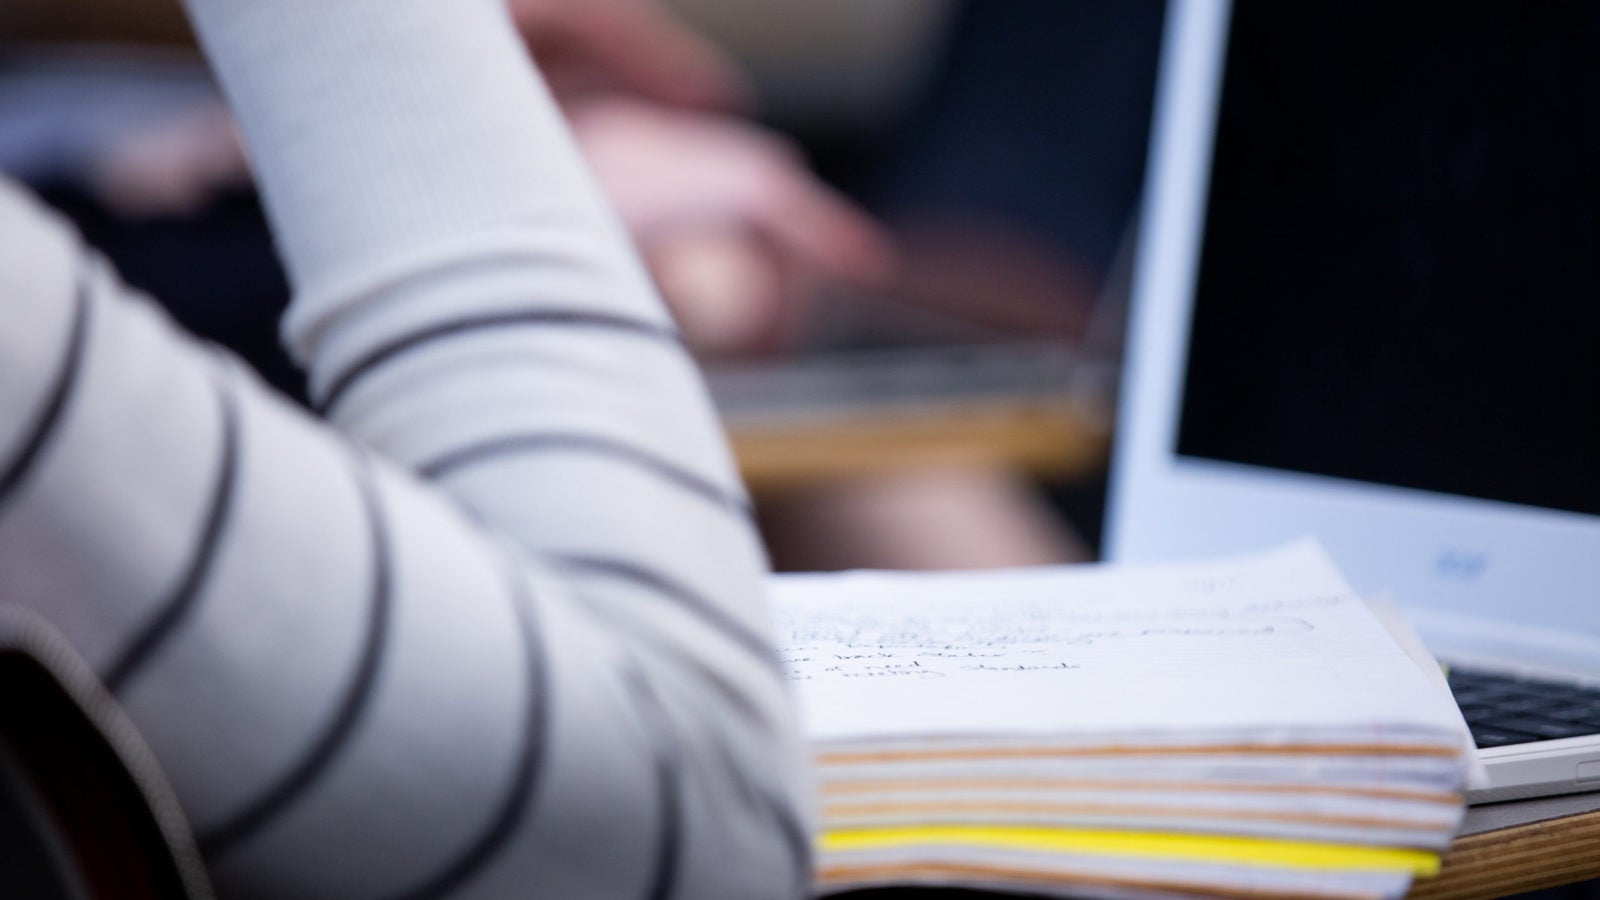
{"x": 1275, "y": 641}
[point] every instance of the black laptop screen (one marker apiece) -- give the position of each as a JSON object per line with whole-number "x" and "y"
{"x": 1400, "y": 275}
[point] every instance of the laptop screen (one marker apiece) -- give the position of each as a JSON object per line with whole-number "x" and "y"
{"x": 1399, "y": 281}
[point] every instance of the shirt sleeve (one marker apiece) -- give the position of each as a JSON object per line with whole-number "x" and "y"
{"x": 510, "y": 638}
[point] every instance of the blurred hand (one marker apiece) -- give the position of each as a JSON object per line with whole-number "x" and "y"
{"x": 172, "y": 166}
{"x": 737, "y": 232}
{"x": 634, "y": 46}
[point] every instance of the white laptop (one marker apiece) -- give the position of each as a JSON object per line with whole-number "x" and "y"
{"x": 1367, "y": 307}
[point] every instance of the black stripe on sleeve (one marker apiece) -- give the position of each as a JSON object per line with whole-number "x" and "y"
{"x": 524, "y": 788}
{"x": 278, "y": 796}
{"x": 341, "y": 384}
{"x": 171, "y": 613}
{"x": 516, "y": 444}
{"x": 28, "y": 454}
{"x": 758, "y": 647}
{"x": 667, "y": 757}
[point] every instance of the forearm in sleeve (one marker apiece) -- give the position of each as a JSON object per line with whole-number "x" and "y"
{"x": 468, "y": 307}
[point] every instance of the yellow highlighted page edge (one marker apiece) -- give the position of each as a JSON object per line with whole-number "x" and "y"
{"x": 1148, "y": 845}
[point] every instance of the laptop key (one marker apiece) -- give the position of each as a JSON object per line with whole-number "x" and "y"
{"x": 1541, "y": 729}
{"x": 1474, "y": 696}
{"x": 1586, "y": 714}
{"x": 1554, "y": 730}
{"x": 1540, "y": 705}
{"x": 1495, "y": 737}
{"x": 1554, "y": 690}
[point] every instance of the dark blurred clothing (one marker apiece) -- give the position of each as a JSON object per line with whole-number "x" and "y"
{"x": 216, "y": 272}
{"x": 1038, "y": 118}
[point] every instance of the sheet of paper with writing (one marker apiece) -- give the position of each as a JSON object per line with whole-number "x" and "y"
{"x": 1275, "y": 642}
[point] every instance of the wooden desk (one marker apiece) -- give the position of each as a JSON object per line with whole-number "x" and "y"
{"x": 1051, "y": 440}
{"x": 1524, "y": 845}
{"x": 1036, "y": 408}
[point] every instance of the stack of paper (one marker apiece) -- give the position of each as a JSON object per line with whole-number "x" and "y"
{"x": 1238, "y": 727}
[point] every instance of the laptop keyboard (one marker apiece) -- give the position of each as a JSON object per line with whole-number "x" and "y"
{"x": 1505, "y": 709}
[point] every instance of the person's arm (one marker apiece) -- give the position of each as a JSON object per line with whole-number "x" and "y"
{"x": 333, "y": 663}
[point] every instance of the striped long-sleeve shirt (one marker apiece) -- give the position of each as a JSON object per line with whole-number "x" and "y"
{"x": 497, "y": 629}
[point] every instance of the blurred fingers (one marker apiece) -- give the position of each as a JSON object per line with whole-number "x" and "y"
{"x": 727, "y": 293}
{"x": 820, "y": 229}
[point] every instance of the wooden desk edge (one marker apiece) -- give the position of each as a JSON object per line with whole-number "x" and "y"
{"x": 1520, "y": 858}
{"x": 1056, "y": 440}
